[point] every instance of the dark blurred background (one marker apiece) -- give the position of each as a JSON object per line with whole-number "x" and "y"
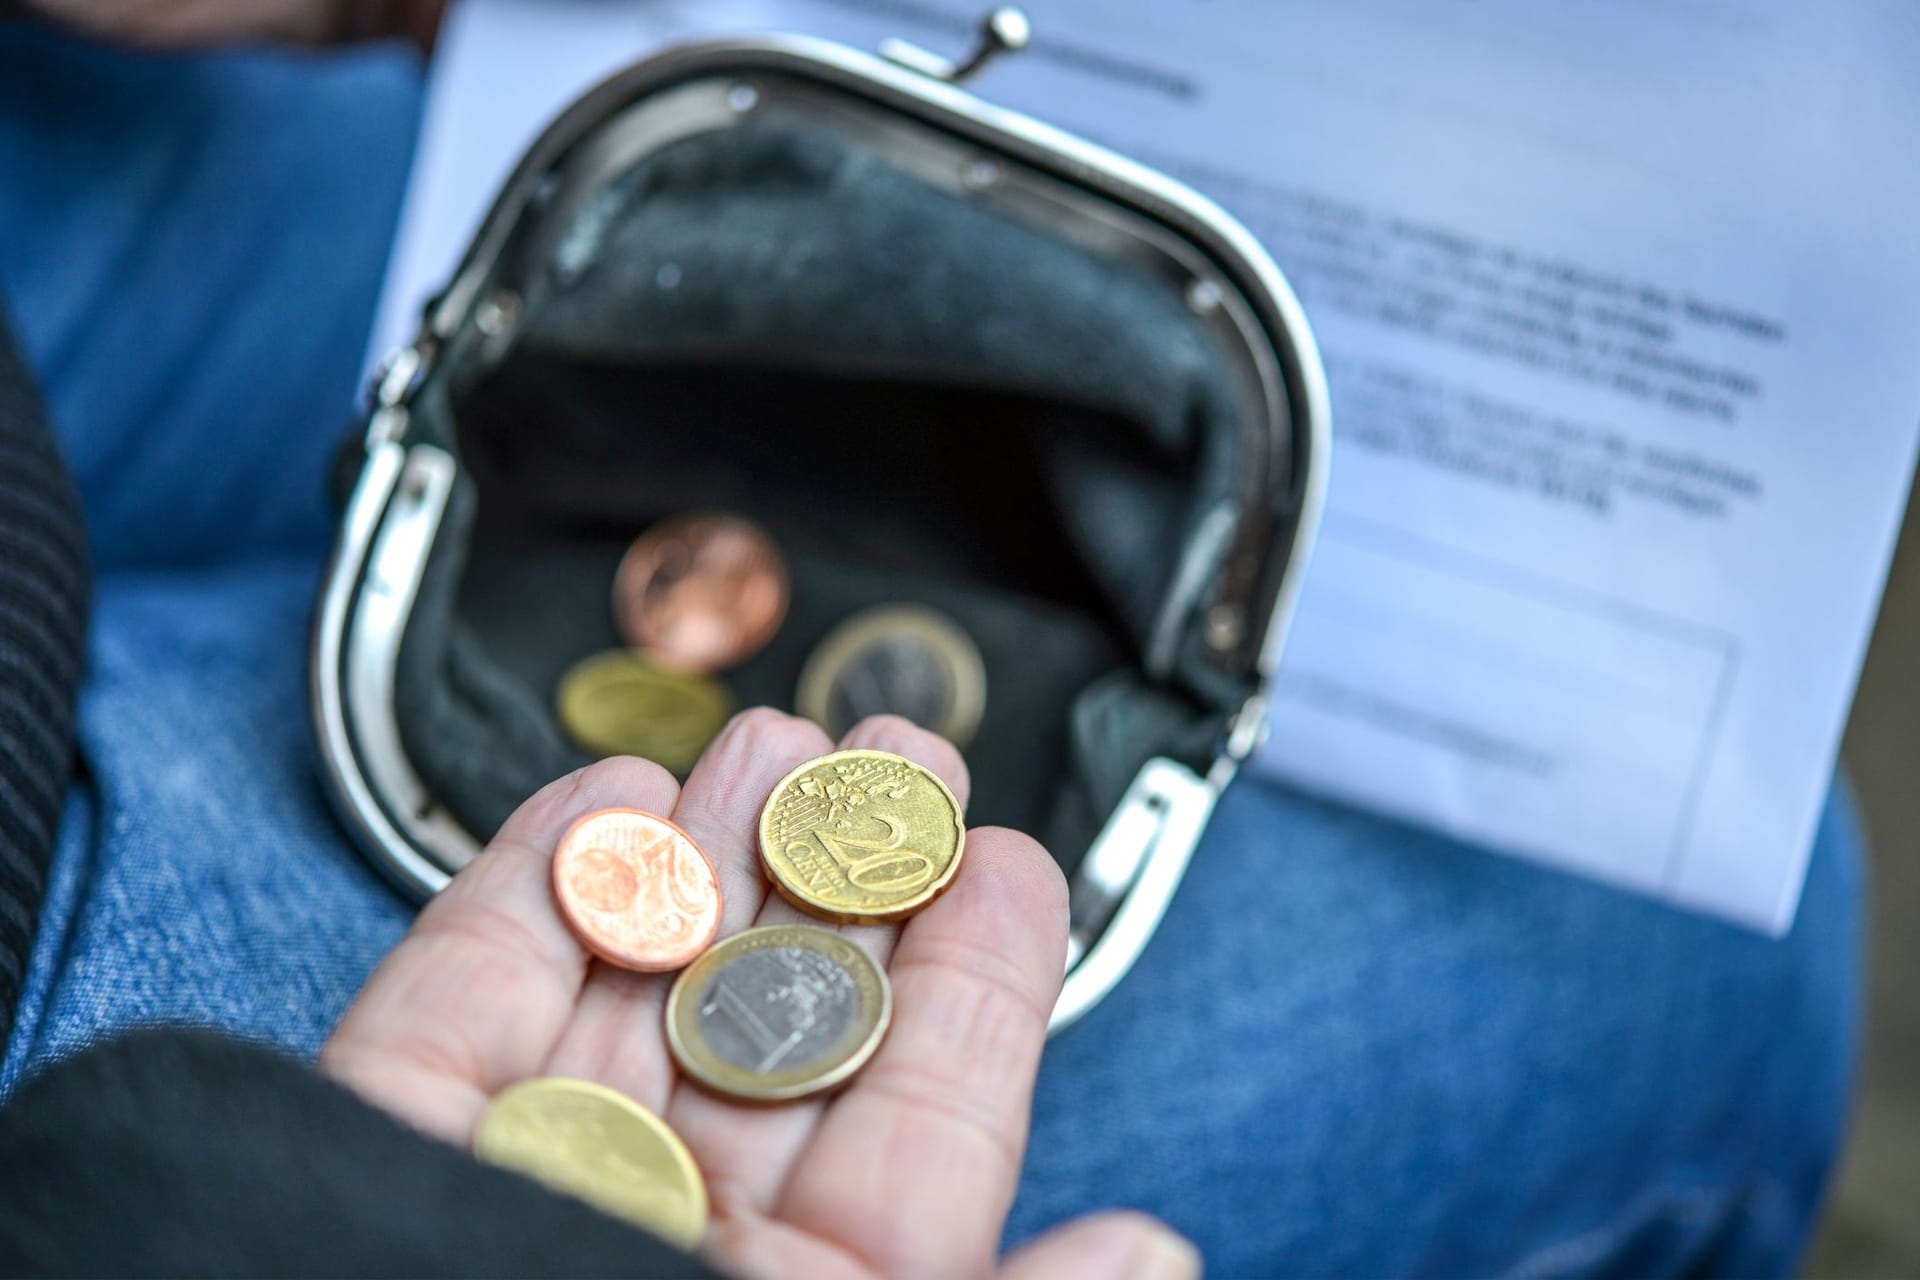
{"x": 1873, "y": 1218}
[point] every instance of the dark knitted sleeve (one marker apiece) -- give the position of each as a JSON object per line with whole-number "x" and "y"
{"x": 180, "y": 1153}
{"x": 43, "y": 607}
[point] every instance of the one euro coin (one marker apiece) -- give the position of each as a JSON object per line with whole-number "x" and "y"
{"x": 901, "y": 660}
{"x": 778, "y": 1012}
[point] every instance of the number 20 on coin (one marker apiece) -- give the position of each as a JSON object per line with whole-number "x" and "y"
{"x": 861, "y": 836}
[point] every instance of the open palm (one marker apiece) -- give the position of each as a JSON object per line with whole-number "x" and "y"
{"x": 908, "y": 1172}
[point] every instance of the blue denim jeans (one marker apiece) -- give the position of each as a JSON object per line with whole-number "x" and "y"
{"x": 1353, "y": 1048}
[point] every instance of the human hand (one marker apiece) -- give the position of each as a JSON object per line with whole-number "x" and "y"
{"x": 187, "y": 23}
{"x": 907, "y": 1172}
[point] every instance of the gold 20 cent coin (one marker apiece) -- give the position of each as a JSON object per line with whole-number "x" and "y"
{"x": 778, "y": 1012}
{"x": 586, "y": 1141}
{"x": 861, "y": 836}
{"x": 617, "y": 703}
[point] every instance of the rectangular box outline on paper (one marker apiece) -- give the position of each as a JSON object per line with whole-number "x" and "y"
{"x": 1480, "y": 744}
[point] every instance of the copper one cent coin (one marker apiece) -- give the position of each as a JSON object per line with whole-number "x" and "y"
{"x": 636, "y": 890}
{"x": 699, "y": 593}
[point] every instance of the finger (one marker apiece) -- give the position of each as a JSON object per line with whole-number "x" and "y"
{"x": 479, "y": 990}
{"x": 903, "y": 738}
{"x": 615, "y": 1037}
{"x": 755, "y": 1247}
{"x": 1120, "y": 1245}
{"x": 940, "y": 1114}
{"x": 745, "y": 1151}
{"x": 721, "y": 805}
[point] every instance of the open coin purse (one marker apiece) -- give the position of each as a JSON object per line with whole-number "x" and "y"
{"x": 943, "y": 354}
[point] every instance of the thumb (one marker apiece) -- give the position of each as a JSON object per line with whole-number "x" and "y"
{"x": 1116, "y": 1244}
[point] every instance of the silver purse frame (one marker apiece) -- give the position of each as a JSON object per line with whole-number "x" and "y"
{"x": 1240, "y": 596}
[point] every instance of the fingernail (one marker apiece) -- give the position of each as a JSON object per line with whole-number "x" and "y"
{"x": 1166, "y": 1255}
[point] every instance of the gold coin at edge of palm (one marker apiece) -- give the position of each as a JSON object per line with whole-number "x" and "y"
{"x": 587, "y": 1141}
{"x": 861, "y": 837}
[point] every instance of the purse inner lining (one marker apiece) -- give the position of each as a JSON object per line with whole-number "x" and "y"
{"x": 923, "y": 399}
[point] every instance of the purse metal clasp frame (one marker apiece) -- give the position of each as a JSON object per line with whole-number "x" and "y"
{"x": 1125, "y": 883}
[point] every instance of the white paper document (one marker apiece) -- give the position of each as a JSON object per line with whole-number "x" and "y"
{"x": 1620, "y": 304}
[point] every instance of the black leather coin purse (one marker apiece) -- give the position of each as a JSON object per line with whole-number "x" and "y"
{"x": 945, "y": 355}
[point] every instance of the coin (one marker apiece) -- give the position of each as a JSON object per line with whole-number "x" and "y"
{"x": 698, "y": 593}
{"x": 900, "y": 660}
{"x": 636, "y": 890}
{"x": 616, "y": 703}
{"x": 861, "y": 836}
{"x": 586, "y": 1141}
{"x": 778, "y": 1012}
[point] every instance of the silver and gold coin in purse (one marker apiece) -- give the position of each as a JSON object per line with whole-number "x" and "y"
{"x": 1056, "y": 416}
